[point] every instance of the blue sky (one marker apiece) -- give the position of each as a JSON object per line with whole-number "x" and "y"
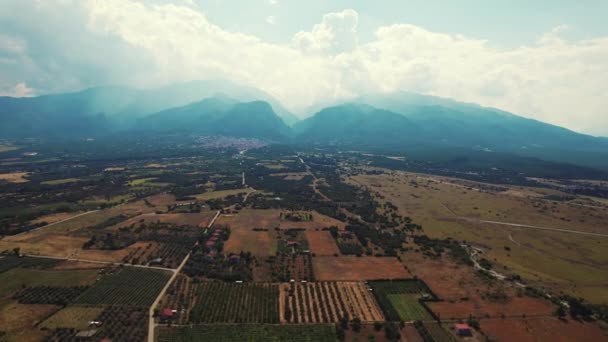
{"x": 502, "y": 23}
{"x": 546, "y": 60}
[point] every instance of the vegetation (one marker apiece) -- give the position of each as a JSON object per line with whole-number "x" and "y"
{"x": 249, "y": 332}
{"x": 218, "y": 302}
{"x": 128, "y": 286}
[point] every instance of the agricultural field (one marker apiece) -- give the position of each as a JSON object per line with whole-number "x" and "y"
{"x": 436, "y": 332}
{"x": 272, "y": 218}
{"x": 448, "y": 207}
{"x": 180, "y": 296}
{"x": 19, "y": 321}
{"x": 321, "y": 243}
{"x": 285, "y": 267}
{"x": 213, "y": 195}
{"x": 18, "y": 278}
{"x": 73, "y": 317}
{"x": 512, "y": 307}
{"x": 258, "y": 242}
{"x": 328, "y": 302}
{"x": 218, "y": 302}
{"x": 249, "y": 332}
{"x": 400, "y": 300}
{"x": 348, "y": 268}
{"x": 14, "y": 177}
{"x": 127, "y": 286}
{"x": 542, "y": 329}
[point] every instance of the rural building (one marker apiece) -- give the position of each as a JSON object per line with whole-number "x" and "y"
{"x": 463, "y": 330}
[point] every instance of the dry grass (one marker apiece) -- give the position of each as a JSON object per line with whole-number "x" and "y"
{"x": 75, "y": 317}
{"x": 14, "y": 177}
{"x": 19, "y": 320}
{"x": 542, "y": 329}
{"x": 559, "y": 261}
{"x": 221, "y": 194}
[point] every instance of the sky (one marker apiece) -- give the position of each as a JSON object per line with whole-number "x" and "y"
{"x": 546, "y": 60}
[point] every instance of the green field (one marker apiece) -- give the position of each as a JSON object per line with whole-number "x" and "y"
{"x": 438, "y": 333}
{"x": 10, "y": 262}
{"x": 408, "y": 307}
{"x": 236, "y": 303}
{"x": 17, "y": 278}
{"x": 129, "y": 286}
{"x": 60, "y": 181}
{"x": 399, "y": 300}
{"x": 249, "y": 333}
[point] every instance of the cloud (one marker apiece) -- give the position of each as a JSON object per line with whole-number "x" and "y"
{"x": 337, "y": 33}
{"x": 19, "y": 90}
{"x": 271, "y": 20}
{"x": 273, "y": 2}
{"x": 153, "y": 43}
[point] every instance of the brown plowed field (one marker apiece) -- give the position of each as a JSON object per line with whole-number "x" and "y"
{"x": 542, "y": 329}
{"x": 322, "y": 243}
{"x": 358, "y": 268}
{"x": 515, "y": 307}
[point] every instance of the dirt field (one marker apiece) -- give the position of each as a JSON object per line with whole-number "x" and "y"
{"x": 542, "y": 329}
{"x": 515, "y": 307}
{"x": 192, "y": 219}
{"x": 448, "y": 280}
{"x": 327, "y": 302}
{"x": 270, "y": 219}
{"x": 290, "y": 175}
{"x": 259, "y": 243}
{"x": 555, "y": 260}
{"x": 321, "y": 243}
{"x": 15, "y": 177}
{"x": 358, "y": 268}
{"x": 19, "y": 320}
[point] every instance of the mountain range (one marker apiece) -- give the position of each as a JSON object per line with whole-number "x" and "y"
{"x": 393, "y": 121}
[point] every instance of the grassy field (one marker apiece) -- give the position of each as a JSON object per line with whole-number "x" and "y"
{"x": 75, "y": 317}
{"x": 60, "y": 181}
{"x": 221, "y": 194}
{"x": 249, "y": 333}
{"x": 559, "y": 261}
{"x": 129, "y": 286}
{"x": 6, "y": 148}
{"x": 408, "y": 307}
{"x": 17, "y": 278}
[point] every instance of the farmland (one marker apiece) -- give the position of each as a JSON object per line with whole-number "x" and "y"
{"x": 400, "y": 300}
{"x": 550, "y": 259}
{"x": 248, "y": 332}
{"x": 325, "y": 248}
{"x": 358, "y": 268}
{"x": 542, "y": 329}
{"x": 73, "y": 317}
{"x": 327, "y": 302}
{"x": 321, "y": 243}
{"x": 128, "y": 286}
{"x": 236, "y": 303}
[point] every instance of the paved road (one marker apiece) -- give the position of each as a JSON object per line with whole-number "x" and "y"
{"x": 151, "y": 322}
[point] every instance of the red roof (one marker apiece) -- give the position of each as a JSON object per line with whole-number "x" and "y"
{"x": 461, "y": 326}
{"x": 291, "y": 243}
{"x": 167, "y": 313}
{"x": 210, "y": 243}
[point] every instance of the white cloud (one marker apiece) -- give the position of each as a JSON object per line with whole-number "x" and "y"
{"x": 19, "y": 90}
{"x": 273, "y": 2}
{"x": 271, "y": 20}
{"x": 554, "y": 80}
{"x": 337, "y": 33}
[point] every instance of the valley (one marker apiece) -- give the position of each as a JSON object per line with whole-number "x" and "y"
{"x": 210, "y": 241}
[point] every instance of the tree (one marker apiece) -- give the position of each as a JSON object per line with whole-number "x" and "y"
{"x": 356, "y": 324}
{"x": 560, "y": 312}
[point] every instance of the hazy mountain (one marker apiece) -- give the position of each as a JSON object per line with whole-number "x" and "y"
{"x": 402, "y": 120}
{"x": 97, "y": 110}
{"x": 219, "y": 116}
{"x": 353, "y": 123}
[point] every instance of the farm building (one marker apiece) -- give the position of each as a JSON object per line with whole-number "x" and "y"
{"x": 463, "y": 330}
